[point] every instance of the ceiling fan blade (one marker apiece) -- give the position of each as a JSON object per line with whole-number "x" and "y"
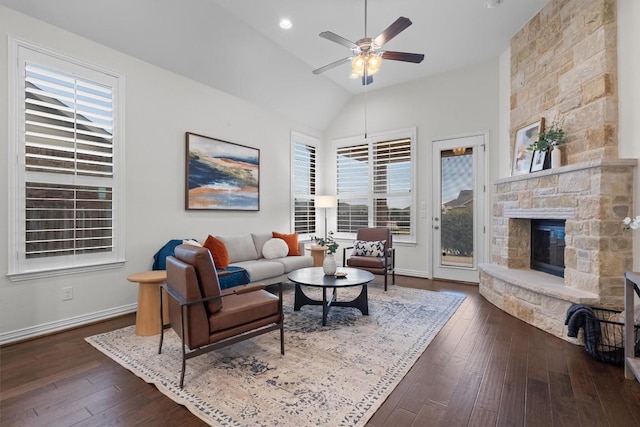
{"x": 393, "y": 30}
{"x": 403, "y": 56}
{"x": 338, "y": 39}
{"x": 332, "y": 65}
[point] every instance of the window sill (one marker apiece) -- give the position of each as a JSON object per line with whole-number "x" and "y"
{"x": 19, "y": 277}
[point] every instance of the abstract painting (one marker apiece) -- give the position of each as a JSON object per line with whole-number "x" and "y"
{"x": 221, "y": 175}
{"x": 522, "y": 158}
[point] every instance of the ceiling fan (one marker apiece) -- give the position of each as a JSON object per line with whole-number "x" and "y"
{"x": 367, "y": 53}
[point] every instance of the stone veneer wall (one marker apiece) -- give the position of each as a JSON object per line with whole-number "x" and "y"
{"x": 564, "y": 67}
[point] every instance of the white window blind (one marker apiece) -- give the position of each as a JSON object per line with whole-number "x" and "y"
{"x": 352, "y": 187}
{"x": 375, "y": 184}
{"x": 304, "y": 187}
{"x": 392, "y": 185}
{"x": 66, "y": 137}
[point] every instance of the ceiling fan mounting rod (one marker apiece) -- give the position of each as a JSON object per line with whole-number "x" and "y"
{"x": 365, "y": 19}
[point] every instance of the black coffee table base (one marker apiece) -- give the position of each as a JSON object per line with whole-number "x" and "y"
{"x": 361, "y": 302}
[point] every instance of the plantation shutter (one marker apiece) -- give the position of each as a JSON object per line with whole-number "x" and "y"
{"x": 304, "y": 184}
{"x": 69, "y": 167}
{"x": 392, "y": 185}
{"x": 352, "y": 187}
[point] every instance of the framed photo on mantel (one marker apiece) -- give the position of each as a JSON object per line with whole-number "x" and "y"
{"x": 221, "y": 175}
{"x": 523, "y": 158}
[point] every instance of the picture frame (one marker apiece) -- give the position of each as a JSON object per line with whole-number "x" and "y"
{"x": 537, "y": 163}
{"x": 221, "y": 175}
{"x": 523, "y": 158}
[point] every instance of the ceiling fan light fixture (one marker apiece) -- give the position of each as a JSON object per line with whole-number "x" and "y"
{"x": 373, "y": 62}
{"x": 357, "y": 65}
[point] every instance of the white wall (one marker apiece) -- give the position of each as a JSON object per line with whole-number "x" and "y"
{"x": 629, "y": 96}
{"x": 458, "y": 102}
{"x": 160, "y": 108}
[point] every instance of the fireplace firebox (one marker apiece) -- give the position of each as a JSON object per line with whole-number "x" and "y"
{"x": 547, "y": 246}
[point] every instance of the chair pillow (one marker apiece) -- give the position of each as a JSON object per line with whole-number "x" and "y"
{"x": 275, "y": 248}
{"x": 369, "y": 248}
{"x": 218, "y": 252}
{"x": 292, "y": 242}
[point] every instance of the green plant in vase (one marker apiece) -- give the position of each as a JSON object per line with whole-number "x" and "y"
{"x": 549, "y": 139}
{"x": 328, "y": 243}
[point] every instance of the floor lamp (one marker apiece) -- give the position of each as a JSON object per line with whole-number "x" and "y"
{"x": 326, "y": 202}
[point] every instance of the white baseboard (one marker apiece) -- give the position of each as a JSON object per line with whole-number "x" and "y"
{"x": 413, "y": 273}
{"x": 60, "y": 325}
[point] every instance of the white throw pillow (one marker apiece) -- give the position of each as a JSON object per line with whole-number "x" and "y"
{"x": 275, "y": 248}
{"x": 192, "y": 242}
{"x": 369, "y": 248}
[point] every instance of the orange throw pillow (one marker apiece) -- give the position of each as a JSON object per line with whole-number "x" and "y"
{"x": 218, "y": 252}
{"x": 292, "y": 242}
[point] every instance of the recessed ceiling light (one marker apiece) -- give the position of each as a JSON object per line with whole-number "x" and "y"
{"x": 285, "y": 23}
{"x": 492, "y": 4}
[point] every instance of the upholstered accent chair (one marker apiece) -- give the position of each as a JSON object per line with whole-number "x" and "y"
{"x": 372, "y": 251}
{"x": 207, "y": 318}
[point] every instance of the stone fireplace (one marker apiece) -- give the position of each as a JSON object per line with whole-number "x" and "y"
{"x": 564, "y": 68}
{"x": 593, "y": 198}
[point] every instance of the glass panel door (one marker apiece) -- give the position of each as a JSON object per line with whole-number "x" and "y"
{"x": 458, "y": 194}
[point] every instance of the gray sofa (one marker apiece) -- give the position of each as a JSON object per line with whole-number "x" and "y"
{"x": 245, "y": 250}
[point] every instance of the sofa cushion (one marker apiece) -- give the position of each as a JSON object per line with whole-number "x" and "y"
{"x": 240, "y": 247}
{"x": 218, "y": 252}
{"x": 292, "y": 242}
{"x": 262, "y": 269}
{"x": 259, "y": 239}
{"x": 291, "y": 263}
{"x": 275, "y": 248}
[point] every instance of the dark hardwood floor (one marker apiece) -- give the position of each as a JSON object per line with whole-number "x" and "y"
{"x": 484, "y": 368}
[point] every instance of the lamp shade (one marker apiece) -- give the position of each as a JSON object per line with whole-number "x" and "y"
{"x": 326, "y": 202}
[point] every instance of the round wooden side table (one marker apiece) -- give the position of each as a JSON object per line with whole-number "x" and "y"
{"x": 318, "y": 255}
{"x": 148, "y": 314}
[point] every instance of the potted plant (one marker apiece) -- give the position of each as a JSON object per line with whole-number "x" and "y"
{"x": 548, "y": 141}
{"x": 329, "y": 264}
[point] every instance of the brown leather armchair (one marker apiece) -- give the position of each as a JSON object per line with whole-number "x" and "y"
{"x": 381, "y": 263}
{"x": 206, "y": 318}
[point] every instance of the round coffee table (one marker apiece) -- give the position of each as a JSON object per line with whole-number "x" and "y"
{"x": 314, "y": 277}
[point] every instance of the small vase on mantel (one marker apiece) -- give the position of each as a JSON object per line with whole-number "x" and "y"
{"x": 329, "y": 265}
{"x": 556, "y": 158}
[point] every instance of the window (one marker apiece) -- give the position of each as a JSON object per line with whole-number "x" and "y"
{"x": 374, "y": 180}
{"x": 303, "y": 183}
{"x": 66, "y": 201}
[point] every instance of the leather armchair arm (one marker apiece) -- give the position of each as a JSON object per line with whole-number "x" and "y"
{"x": 344, "y": 255}
{"x": 244, "y": 289}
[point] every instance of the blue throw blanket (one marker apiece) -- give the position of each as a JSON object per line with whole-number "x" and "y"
{"x": 576, "y": 318}
{"x": 232, "y": 276}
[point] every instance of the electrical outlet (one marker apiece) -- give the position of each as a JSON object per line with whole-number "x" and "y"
{"x": 67, "y": 293}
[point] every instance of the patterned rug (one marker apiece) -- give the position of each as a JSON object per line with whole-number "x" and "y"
{"x": 337, "y": 375}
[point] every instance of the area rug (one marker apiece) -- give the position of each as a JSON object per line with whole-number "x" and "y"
{"x": 336, "y": 375}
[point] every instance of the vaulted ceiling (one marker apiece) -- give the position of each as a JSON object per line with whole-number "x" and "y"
{"x": 237, "y": 46}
